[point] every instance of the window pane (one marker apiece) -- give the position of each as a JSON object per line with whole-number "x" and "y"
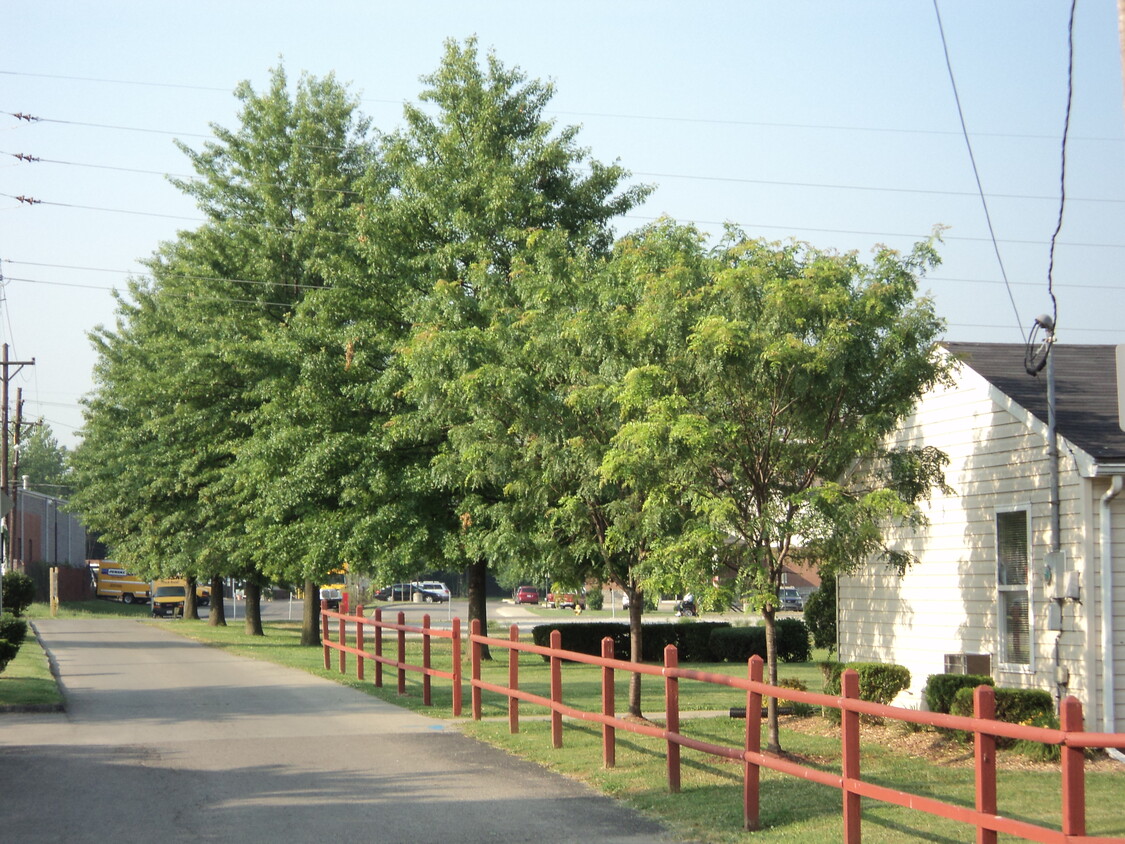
{"x": 1017, "y": 633}
{"x": 1011, "y": 548}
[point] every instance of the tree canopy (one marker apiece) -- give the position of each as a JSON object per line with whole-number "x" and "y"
{"x": 428, "y": 350}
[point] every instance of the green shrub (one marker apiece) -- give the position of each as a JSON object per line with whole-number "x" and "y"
{"x": 738, "y": 644}
{"x": 8, "y": 652}
{"x": 879, "y": 682}
{"x": 692, "y": 639}
{"x": 1016, "y": 706}
{"x": 1032, "y": 707}
{"x": 820, "y": 613}
{"x": 793, "y": 640}
{"x": 13, "y": 629}
{"x": 595, "y": 599}
{"x": 19, "y": 592}
{"x": 941, "y": 688}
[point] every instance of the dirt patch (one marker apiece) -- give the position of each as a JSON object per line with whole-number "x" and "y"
{"x": 940, "y": 748}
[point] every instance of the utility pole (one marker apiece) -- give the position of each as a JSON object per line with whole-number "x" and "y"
{"x": 5, "y": 479}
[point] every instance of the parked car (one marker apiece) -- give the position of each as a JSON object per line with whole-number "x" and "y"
{"x": 168, "y": 597}
{"x": 565, "y": 600}
{"x": 526, "y": 595}
{"x": 394, "y": 592}
{"x": 432, "y": 590}
{"x": 791, "y": 599}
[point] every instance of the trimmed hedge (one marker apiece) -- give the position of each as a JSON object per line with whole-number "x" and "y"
{"x": 1016, "y": 706}
{"x": 793, "y": 640}
{"x": 879, "y": 682}
{"x": 941, "y": 688}
{"x": 13, "y": 629}
{"x": 8, "y": 652}
{"x": 696, "y": 641}
{"x": 738, "y": 644}
{"x": 19, "y": 592}
{"x": 1033, "y": 707}
{"x": 692, "y": 639}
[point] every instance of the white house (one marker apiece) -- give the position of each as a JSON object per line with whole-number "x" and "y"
{"x": 986, "y": 595}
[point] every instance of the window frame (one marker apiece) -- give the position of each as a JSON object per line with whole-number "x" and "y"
{"x": 1002, "y": 589}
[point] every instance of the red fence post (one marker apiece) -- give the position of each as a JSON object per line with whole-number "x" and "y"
{"x": 556, "y": 689}
{"x": 984, "y": 707}
{"x": 401, "y": 654}
{"x": 513, "y": 681}
{"x": 342, "y": 638}
{"x": 751, "y": 771}
{"x": 609, "y": 734}
{"x": 849, "y": 720}
{"x": 456, "y": 667}
{"x": 672, "y": 716}
{"x": 1073, "y": 774}
{"x": 359, "y": 641}
{"x": 474, "y": 652}
{"x": 427, "y": 699}
{"x": 324, "y": 634}
{"x": 378, "y": 647}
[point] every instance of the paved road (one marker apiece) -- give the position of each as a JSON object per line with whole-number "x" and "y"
{"x": 166, "y": 739}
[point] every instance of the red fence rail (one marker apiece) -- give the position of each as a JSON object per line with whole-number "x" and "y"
{"x": 1071, "y": 737}
{"x": 398, "y": 662}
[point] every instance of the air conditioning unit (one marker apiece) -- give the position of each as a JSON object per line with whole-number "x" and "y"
{"x": 969, "y": 664}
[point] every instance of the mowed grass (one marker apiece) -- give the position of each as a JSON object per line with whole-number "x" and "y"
{"x": 709, "y": 805}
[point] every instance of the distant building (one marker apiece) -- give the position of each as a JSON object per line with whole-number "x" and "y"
{"x": 44, "y": 532}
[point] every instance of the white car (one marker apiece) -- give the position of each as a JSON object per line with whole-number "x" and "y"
{"x": 432, "y": 590}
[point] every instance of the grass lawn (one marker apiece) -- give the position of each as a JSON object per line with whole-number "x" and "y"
{"x": 709, "y": 807}
{"x": 27, "y": 682}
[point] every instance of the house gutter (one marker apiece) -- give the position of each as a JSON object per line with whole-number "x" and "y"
{"x": 1109, "y": 678}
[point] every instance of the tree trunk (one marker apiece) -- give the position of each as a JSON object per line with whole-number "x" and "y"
{"x": 476, "y": 574}
{"x": 218, "y": 615}
{"x": 636, "y": 649}
{"x": 310, "y": 621}
{"x": 773, "y": 744}
{"x": 253, "y": 608}
{"x": 191, "y": 602}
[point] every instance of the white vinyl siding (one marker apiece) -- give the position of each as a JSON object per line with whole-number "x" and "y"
{"x": 949, "y": 601}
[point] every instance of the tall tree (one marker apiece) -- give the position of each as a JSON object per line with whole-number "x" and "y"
{"x": 200, "y": 346}
{"x": 472, "y": 178}
{"x": 43, "y": 461}
{"x": 781, "y": 377}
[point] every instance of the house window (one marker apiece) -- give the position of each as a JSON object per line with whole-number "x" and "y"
{"x": 1012, "y": 585}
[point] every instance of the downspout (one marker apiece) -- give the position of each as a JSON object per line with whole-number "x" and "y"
{"x": 1109, "y": 679}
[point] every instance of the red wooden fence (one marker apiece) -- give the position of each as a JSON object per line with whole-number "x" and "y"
{"x": 398, "y": 662}
{"x": 1070, "y": 737}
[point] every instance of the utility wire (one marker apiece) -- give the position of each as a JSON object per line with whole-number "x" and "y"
{"x": 1062, "y": 163}
{"x": 976, "y": 171}
{"x": 666, "y": 118}
{"x": 31, "y": 159}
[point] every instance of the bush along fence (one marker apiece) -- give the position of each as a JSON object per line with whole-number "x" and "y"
{"x": 1070, "y": 738}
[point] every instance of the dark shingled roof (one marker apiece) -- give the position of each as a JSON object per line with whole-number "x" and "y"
{"x": 1085, "y": 390}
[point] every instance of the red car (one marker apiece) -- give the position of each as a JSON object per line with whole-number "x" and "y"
{"x": 527, "y": 595}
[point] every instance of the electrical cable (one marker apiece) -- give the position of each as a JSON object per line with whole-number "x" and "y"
{"x": 973, "y": 161}
{"x": 1062, "y": 163}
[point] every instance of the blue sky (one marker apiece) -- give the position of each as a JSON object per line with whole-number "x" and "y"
{"x": 833, "y": 123}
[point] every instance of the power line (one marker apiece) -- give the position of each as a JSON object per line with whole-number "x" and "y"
{"x": 26, "y": 158}
{"x": 973, "y": 161}
{"x": 665, "y": 118}
{"x": 1062, "y": 164}
{"x": 186, "y": 276}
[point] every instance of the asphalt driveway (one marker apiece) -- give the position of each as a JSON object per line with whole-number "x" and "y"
{"x": 167, "y": 739}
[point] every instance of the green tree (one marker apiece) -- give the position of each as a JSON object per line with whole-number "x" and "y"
{"x": 767, "y": 407}
{"x": 471, "y": 179}
{"x": 200, "y": 346}
{"x": 43, "y": 461}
